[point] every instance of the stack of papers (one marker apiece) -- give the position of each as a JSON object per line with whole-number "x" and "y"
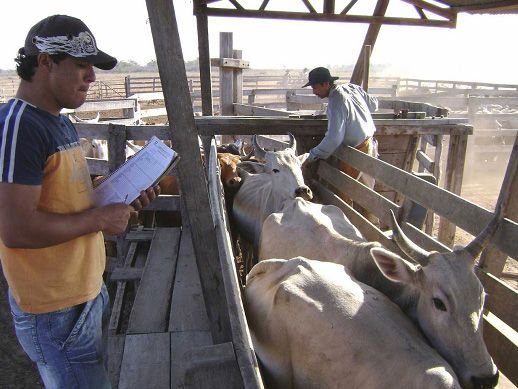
{"x": 142, "y": 170}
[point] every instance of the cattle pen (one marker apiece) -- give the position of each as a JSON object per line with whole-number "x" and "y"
{"x": 185, "y": 325}
{"x": 160, "y": 331}
{"x": 177, "y": 317}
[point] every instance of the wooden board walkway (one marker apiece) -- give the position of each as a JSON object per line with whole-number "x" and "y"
{"x": 168, "y": 317}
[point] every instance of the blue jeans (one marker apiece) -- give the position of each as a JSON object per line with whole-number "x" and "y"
{"x": 67, "y": 344}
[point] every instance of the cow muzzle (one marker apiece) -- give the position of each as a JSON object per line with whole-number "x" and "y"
{"x": 485, "y": 382}
{"x": 304, "y": 192}
{"x": 234, "y": 182}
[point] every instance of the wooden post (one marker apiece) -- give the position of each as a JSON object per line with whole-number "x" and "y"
{"x": 204, "y": 61}
{"x": 226, "y": 75}
{"x": 453, "y": 182}
{"x": 237, "y": 86}
{"x": 127, "y": 85}
{"x": 205, "y": 68}
{"x": 366, "y": 65}
{"x": 192, "y": 178}
{"x": 226, "y": 81}
{"x": 493, "y": 260}
{"x": 116, "y": 146}
{"x": 370, "y": 39}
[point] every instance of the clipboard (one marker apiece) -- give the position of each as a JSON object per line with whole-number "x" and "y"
{"x": 145, "y": 169}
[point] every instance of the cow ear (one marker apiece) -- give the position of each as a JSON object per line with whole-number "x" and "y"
{"x": 393, "y": 266}
{"x": 303, "y": 157}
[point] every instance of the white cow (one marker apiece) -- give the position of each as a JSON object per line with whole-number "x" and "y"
{"x": 313, "y": 326}
{"x": 442, "y": 294}
{"x": 262, "y": 193}
{"x": 94, "y": 148}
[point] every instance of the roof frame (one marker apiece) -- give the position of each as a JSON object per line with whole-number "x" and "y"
{"x": 447, "y": 17}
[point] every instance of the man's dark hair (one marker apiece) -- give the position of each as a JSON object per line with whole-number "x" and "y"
{"x": 25, "y": 65}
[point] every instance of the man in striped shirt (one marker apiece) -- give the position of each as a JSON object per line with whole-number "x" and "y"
{"x": 51, "y": 235}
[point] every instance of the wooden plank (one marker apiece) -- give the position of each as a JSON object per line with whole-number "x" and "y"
{"x": 212, "y": 125}
{"x": 188, "y": 311}
{"x": 105, "y": 105}
{"x": 466, "y": 215}
{"x": 146, "y": 362}
{"x": 501, "y": 299}
{"x": 279, "y": 126}
{"x": 204, "y": 60}
{"x": 237, "y": 88}
{"x": 232, "y": 63}
{"x": 425, "y": 162}
{"x": 181, "y": 343}
{"x": 492, "y": 259}
{"x": 212, "y": 367}
{"x": 226, "y": 80}
{"x": 453, "y": 182}
{"x": 113, "y": 325}
{"x": 126, "y": 274}
{"x": 359, "y": 193}
{"x": 98, "y": 167}
{"x": 502, "y": 345}
{"x": 165, "y": 203}
{"x": 115, "y": 352}
{"x": 241, "y": 339}
{"x": 150, "y": 312}
{"x": 116, "y": 146}
{"x": 140, "y": 235}
{"x": 192, "y": 178}
{"x": 253, "y": 110}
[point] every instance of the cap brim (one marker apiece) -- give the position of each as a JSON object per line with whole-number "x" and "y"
{"x": 309, "y": 83}
{"x": 102, "y": 60}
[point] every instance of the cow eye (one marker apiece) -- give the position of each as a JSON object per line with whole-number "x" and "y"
{"x": 439, "y": 304}
{"x": 276, "y": 170}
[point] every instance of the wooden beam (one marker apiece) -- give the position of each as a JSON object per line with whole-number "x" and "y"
{"x": 348, "y": 7}
{"x": 204, "y": 61}
{"x": 264, "y": 4}
{"x": 232, "y": 63}
{"x": 226, "y": 79}
{"x": 447, "y": 13}
{"x": 193, "y": 181}
{"x": 493, "y": 260}
{"x": 309, "y": 6}
{"x": 329, "y": 6}
{"x": 501, "y": 6}
{"x": 370, "y": 40}
{"x": 453, "y": 182}
{"x": 262, "y": 14}
{"x": 236, "y": 4}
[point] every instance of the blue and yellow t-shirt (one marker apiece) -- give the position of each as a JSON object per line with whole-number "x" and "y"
{"x": 38, "y": 148}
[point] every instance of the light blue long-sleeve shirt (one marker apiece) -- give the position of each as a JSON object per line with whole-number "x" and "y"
{"x": 349, "y": 119}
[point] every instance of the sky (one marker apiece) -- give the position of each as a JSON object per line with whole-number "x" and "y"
{"x": 481, "y": 48}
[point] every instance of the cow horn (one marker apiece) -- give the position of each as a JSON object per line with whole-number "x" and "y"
{"x": 475, "y": 247}
{"x": 293, "y": 142}
{"x": 247, "y": 157}
{"x": 406, "y": 245}
{"x": 258, "y": 150}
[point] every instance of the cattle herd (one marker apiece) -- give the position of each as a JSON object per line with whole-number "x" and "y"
{"x": 328, "y": 309}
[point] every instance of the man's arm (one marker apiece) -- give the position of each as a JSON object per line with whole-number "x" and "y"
{"x": 336, "y": 127}
{"x": 22, "y": 225}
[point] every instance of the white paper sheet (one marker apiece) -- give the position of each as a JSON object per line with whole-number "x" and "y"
{"x": 136, "y": 174}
